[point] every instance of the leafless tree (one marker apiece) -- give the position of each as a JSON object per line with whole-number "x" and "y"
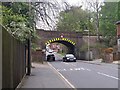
{"x": 45, "y": 11}
{"x": 94, "y": 6}
{"x": 65, "y": 6}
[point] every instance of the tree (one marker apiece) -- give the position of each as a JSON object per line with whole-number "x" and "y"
{"x": 19, "y": 17}
{"x": 74, "y": 19}
{"x": 16, "y": 19}
{"x": 46, "y": 11}
{"x": 94, "y": 6}
{"x": 119, "y": 10}
{"x": 108, "y": 18}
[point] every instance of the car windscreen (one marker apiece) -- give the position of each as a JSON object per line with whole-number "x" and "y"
{"x": 69, "y": 55}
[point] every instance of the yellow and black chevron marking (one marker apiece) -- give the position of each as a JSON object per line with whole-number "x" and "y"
{"x": 60, "y": 39}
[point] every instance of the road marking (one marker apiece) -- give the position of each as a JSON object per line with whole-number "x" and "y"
{"x": 64, "y": 62}
{"x": 64, "y": 69}
{"x": 72, "y": 86}
{"x": 77, "y": 69}
{"x": 73, "y": 64}
{"x": 61, "y": 70}
{"x": 82, "y": 69}
{"x": 73, "y": 69}
{"x": 108, "y": 75}
{"x": 69, "y": 63}
{"x": 88, "y": 69}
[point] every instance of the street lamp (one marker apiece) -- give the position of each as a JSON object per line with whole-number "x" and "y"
{"x": 88, "y": 44}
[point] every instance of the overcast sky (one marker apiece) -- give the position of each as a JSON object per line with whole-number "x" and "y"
{"x": 78, "y": 2}
{"x": 71, "y": 2}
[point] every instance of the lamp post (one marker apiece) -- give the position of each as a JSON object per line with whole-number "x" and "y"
{"x": 88, "y": 44}
{"x": 29, "y": 47}
{"x": 29, "y": 57}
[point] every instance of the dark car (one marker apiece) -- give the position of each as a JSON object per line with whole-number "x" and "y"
{"x": 51, "y": 57}
{"x": 69, "y": 57}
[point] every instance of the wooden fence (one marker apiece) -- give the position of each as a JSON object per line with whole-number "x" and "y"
{"x": 0, "y": 58}
{"x": 13, "y": 61}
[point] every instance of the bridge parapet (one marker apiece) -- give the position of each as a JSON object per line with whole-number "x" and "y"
{"x": 57, "y": 34}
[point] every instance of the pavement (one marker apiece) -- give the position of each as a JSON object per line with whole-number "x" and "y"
{"x": 43, "y": 76}
{"x": 99, "y": 61}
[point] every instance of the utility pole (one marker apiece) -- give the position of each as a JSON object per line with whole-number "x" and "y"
{"x": 88, "y": 43}
{"x": 29, "y": 58}
{"x": 29, "y": 47}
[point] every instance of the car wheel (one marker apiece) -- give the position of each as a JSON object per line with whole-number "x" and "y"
{"x": 74, "y": 60}
{"x": 47, "y": 59}
{"x": 54, "y": 59}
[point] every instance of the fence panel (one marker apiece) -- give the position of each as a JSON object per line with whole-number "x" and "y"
{"x": 0, "y": 58}
{"x": 13, "y": 61}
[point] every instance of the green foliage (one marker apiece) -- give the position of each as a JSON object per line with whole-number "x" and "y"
{"x": 74, "y": 19}
{"x": 18, "y": 21}
{"x": 108, "y": 18}
{"x": 119, "y": 10}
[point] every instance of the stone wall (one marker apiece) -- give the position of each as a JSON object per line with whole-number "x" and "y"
{"x": 95, "y": 54}
{"x": 118, "y": 30}
{"x": 116, "y": 56}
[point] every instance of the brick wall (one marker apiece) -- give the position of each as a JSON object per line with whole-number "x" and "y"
{"x": 38, "y": 56}
{"x": 118, "y": 30}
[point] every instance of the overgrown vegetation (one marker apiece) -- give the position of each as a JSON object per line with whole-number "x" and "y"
{"x": 74, "y": 19}
{"x": 19, "y": 18}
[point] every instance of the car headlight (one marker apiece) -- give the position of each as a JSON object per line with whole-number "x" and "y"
{"x": 67, "y": 58}
{"x": 74, "y": 58}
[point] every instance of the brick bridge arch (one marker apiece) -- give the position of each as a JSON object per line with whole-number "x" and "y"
{"x": 67, "y": 42}
{"x": 73, "y": 40}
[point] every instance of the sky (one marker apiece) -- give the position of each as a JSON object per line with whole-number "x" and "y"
{"x": 78, "y": 2}
{"x": 72, "y": 2}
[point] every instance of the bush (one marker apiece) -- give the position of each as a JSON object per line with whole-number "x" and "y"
{"x": 108, "y": 50}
